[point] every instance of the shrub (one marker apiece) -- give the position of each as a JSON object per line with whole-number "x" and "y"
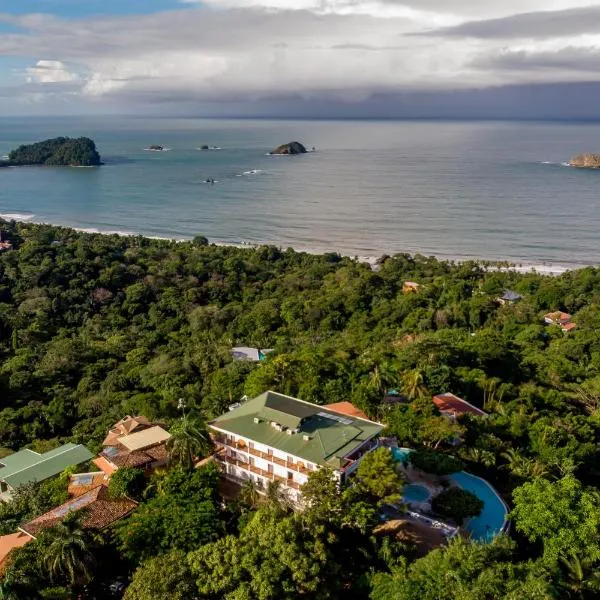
{"x": 457, "y": 504}
{"x": 127, "y": 481}
{"x": 435, "y": 463}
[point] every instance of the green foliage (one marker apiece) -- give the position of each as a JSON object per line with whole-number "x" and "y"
{"x": 165, "y": 577}
{"x": 183, "y": 515}
{"x": 272, "y": 558}
{"x": 188, "y": 441}
{"x": 378, "y": 475}
{"x": 466, "y": 571}
{"x": 435, "y": 463}
{"x": 457, "y": 504}
{"x": 563, "y": 516}
{"x": 31, "y": 500}
{"x": 59, "y": 151}
{"x": 127, "y": 481}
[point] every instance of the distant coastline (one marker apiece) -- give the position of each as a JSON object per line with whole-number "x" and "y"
{"x": 541, "y": 268}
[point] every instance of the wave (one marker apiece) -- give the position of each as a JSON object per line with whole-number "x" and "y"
{"x": 555, "y": 164}
{"x": 251, "y": 172}
{"x": 16, "y": 216}
{"x": 158, "y": 150}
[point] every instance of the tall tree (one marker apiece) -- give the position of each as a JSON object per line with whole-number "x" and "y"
{"x": 69, "y": 555}
{"x": 187, "y": 442}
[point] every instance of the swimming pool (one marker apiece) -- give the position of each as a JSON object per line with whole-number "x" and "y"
{"x": 415, "y": 493}
{"x": 492, "y": 519}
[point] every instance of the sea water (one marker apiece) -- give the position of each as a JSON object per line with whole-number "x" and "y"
{"x": 489, "y": 190}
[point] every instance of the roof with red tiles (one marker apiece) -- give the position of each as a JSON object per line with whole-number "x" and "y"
{"x": 346, "y": 408}
{"x": 569, "y": 326}
{"x": 81, "y": 483}
{"x": 100, "y": 511}
{"x": 557, "y": 317}
{"x": 451, "y": 404}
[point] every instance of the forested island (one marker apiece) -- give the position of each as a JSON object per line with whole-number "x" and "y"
{"x": 56, "y": 152}
{"x": 94, "y": 327}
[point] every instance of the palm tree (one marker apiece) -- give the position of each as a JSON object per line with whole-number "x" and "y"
{"x": 277, "y": 497}
{"x": 581, "y": 575}
{"x": 188, "y": 440}
{"x": 249, "y": 496}
{"x": 68, "y": 555}
{"x": 413, "y": 384}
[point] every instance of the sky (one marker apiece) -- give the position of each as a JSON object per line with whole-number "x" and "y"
{"x": 302, "y": 58}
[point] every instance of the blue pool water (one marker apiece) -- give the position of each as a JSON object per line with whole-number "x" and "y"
{"x": 492, "y": 518}
{"x": 415, "y": 493}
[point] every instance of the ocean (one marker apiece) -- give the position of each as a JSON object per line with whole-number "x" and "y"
{"x": 486, "y": 190}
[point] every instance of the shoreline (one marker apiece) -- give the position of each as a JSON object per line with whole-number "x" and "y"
{"x": 522, "y": 266}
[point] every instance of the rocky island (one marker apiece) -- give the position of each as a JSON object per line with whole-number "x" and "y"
{"x": 290, "y": 148}
{"x": 586, "y": 161}
{"x": 56, "y": 152}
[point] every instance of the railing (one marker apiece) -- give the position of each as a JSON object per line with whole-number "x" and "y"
{"x": 258, "y": 471}
{"x": 239, "y": 445}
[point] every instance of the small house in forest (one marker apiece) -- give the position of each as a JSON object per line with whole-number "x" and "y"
{"x": 452, "y": 406}
{"x": 410, "y": 287}
{"x": 508, "y": 297}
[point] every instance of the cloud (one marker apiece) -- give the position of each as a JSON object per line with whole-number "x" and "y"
{"x": 535, "y": 25}
{"x": 50, "y": 71}
{"x": 321, "y": 51}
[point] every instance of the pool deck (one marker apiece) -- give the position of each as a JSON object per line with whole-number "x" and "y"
{"x": 434, "y": 484}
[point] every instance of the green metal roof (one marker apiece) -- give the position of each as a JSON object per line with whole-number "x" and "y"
{"x": 26, "y": 465}
{"x": 331, "y": 436}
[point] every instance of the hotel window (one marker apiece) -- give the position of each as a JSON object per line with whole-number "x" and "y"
{"x": 251, "y": 445}
{"x": 290, "y": 459}
{"x": 290, "y": 476}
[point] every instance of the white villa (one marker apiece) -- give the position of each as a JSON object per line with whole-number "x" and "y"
{"x": 277, "y": 437}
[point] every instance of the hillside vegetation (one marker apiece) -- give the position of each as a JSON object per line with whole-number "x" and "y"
{"x": 94, "y": 327}
{"x": 60, "y": 151}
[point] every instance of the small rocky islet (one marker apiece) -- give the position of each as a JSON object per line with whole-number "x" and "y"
{"x": 290, "y": 148}
{"x": 585, "y": 161}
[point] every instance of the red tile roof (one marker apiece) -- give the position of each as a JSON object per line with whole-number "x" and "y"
{"x": 100, "y": 511}
{"x": 557, "y": 317}
{"x": 346, "y": 408}
{"x": 81, "y": 483}
{"x": 569, "y": 326}
{"x": 451, "y": 404}
{"x": 104, "y": 465}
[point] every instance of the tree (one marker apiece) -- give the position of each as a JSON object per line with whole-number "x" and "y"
{"x": 413, "y": 384}
{"x": 127, "y": 481}
{"x": 581, "y": 576}
{"x": 69, "y": 556}
{"x": 165, "y": 577}
{"x": 188, "y": 440}
{"x": 466, "y": 570}
{"x": 457, "y": 504}
{"x": 273, "y": 558}
{"x": 561, "y": 515}
{"x": 434, "y": 462}
{"x": 378, "y": 475}
{"x": 183, "y": 515}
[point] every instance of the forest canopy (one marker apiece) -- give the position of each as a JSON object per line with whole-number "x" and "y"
{"x": 94, "y": 327}
{"x": 60, "y": 151}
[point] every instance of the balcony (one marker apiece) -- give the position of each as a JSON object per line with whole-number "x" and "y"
{"x": 258, "y": 471}
{"x": 243, "y": 447}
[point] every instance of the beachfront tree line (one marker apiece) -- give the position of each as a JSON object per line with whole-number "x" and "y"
{"x": 93, "y": 327}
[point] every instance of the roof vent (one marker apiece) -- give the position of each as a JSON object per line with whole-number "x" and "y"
{"x": 291, "y": 431}
{"x": 306, "y": 437}
{"x": 256, "y": 420}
